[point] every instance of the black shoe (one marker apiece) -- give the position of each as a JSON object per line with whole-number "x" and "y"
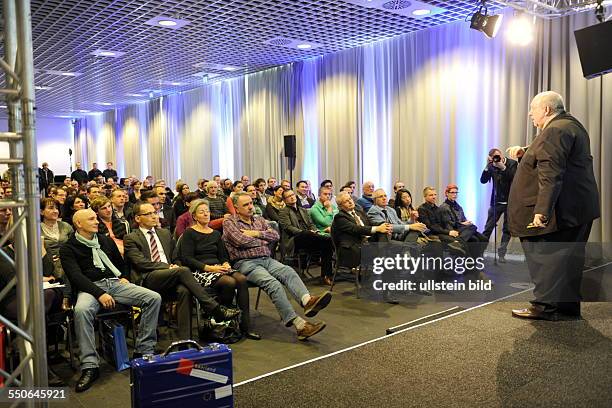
{"x": 501, "y": 259}
{"x": 88, "y": 377}
{"x": 251, "y": 335}
{"x": 54, "y": 380}
{"x": 456, "y": 248}
{"x": 223, "y": 313}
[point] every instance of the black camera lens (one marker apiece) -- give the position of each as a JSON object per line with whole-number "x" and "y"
{"x": 497, "y": 158}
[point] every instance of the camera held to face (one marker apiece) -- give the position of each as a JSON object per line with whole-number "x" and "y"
{"x": 497, "y": 158}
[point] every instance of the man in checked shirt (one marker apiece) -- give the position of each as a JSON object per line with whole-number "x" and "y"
{"x": 247, "y": 239}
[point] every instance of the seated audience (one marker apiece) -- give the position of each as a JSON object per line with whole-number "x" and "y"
{"x": 238, "y": 187}
{"x": 398, "y": 185}
{"x": 99, "y": 275}
{"x": 166, "y": 213}
{"x": 73, "y": 204}
{"x": 54, "y": 234}
{"x": 227, "y": 187}
{"x": 247, "y": 239}
{"x": 149, "y": 250}
{"x": 380, "y": 213}
{"x": 257, "y": 205}
{"x": 245, "y": 180}
{"x": 323, "y": 211}
{"x": 119, "y": 201}
{"x": 203, "y": 251}
{"x": 275, "y": 204}
{"x": 270, "y": 186}
{"x": 303, "y": 200}
{"x": 137, "y": 187}
{"x": 299, "y": 233}
{"x": 201, "y": 190}
{"x": 262, "y": 199}
{"x": 93, "y": 192}
{"x": 366, "y": 201}
{"x": 110, "y": 225}
{"x": 403, "y": 206}
{"x": 286, "y": 184}
{"x": 216, "y": 204}
{"x": 438, "y": 221}
{"x": 468, "y": 232}
{"x": 351, "y": 228}
{"x": 179, "y": 205}
{"x": 186, "y": 220}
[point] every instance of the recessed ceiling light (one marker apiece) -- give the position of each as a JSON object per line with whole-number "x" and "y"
{"x": 230, "y": 68}
{"x": 107, "y": 53}
{"x": 304, "y": 46}
{"x": 42, "y": 88}
{"x": 421, "y": 12}
{"x": 104, "y": 103}
{"x": 135, "y": 95}
{"x": 167, "y": 23}
{"x": 82, "y": 111}
{"x": 57, "y": 72}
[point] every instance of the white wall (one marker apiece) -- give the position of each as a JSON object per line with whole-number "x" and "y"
{"x": 54, "y": 136}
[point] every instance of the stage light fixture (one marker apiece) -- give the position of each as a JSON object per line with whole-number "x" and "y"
{"x": 481, "y": 21}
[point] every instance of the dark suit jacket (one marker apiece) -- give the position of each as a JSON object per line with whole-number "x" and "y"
{"x": 169, "y": 221}
{"x": 436, "y": 219}
{"x": 45, "y": 179}
{"x": 555, "y": 178}
{"x": 290, "y": 226}
{"x": 502, "y": 180}
{"x": 137, "y": 252}
{"x": 348, "y": 237}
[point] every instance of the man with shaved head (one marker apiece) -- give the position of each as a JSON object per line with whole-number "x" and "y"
{"x": 553, "y": 201}
{"x": 366, "y": 201}
{"x": 99, "y": 275}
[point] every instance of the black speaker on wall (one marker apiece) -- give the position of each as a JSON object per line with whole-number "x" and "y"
{"x": 290, "y": 146}
{"x": 594, "y": 49}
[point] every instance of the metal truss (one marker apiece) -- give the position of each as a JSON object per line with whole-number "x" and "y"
{"x": 17, "y": 65}
{"x": 552, "y": 8}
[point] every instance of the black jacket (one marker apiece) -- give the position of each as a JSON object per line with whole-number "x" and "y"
{"x": 93, "y": 173}
{"x": 348, "y": 236}
{"x": 292, "y": 222}
{"x": 45, "y": 178}
{"x": 437, "y": 219}
{"x": 80, "y": 176}
{"x": 77, "y": 261}
{"x": 555, "y": 178}
{"x": 110, "y": 173}
{"x": 502, "y": 180}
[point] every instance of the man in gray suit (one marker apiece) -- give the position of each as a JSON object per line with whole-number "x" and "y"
{"x": 149, "y": 249}
{"x": 299, "y": 232}
{"x": 553, "y": 202}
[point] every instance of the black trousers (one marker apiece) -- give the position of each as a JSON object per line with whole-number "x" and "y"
{"x": 180, "y": 282}
{"x": 311, "y": 241}
{"x": 556, "y": 262}
{"x": 492, "y": 220}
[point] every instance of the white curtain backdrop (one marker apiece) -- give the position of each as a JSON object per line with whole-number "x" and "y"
{"x": 423, "y": 108}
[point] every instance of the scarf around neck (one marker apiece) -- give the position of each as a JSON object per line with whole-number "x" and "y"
{"x": 100, "y": 259}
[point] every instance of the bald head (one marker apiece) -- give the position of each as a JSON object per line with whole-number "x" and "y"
{"x": 368, "y": 188}
{"x": 544, "y": 107}
{"x": 85, "y": 222}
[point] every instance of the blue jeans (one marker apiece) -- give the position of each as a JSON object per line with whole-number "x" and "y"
{"x": 129, "y": 294}
{"x": 271, "y": 275}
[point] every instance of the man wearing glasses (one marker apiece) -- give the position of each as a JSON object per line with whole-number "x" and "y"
{"x": 155, "y": 197}
{"x": 149, "y": 249}
{"x": 468, "y": 232}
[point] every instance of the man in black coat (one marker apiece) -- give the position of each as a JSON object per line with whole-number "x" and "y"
{"x": 350, "y": 230}
{"x": 94, "y": 172}
{"x": 553, "y": 202}
{"x": 150, "y": 252}
{"x": 110, "y": 172}
{"x": 45, "y": 177}
{"x": 79, "y": 174}
{"x": 501, "y": 171}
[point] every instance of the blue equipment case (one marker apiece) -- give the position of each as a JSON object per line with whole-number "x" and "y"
{"x": 196, "y": 377}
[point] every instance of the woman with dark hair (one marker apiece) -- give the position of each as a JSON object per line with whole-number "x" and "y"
{"x": 73, "y": 204}
{"x": 137, "y": 186}
{"x": 179, "y": 207}
{"x": 203, "y": 251}
{"x": 275, "y": 204}
{"x": 406, "y": 212}
{"x": 110, "y": 225}
{"x": 186, "y": 220}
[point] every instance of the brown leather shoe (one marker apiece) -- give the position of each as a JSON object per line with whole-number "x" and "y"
{"x": 535, "y": 314}
{"x": 326, "y": 280}
{"x": 317, "y": 303}
{"x": 310, "y": 329}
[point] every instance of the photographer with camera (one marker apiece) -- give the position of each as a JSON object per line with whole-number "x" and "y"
{"x": 501, "y": 170}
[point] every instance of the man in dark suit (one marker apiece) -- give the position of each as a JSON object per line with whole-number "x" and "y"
{"x": 350, "y": 230}
{"x": 94, "y": 173}
{"x": 156, "y": 197}
{"x": 299, "y": 232}
{"x": 149, "y": 251}
{"x": 440, "y": 223}
{"x": 79, "y": 174}
{"x": 303, "y": 200}
{"x": 553, "y": 202}
{"x": 501, "y": 171}
{"x": 45, "y": 177}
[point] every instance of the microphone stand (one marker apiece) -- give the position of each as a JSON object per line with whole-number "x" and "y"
{"x": 494, "y": 217}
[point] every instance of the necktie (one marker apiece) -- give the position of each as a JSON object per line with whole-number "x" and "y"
{"x": 154, "y": 250}
{"x": 357, "y": 219}
{"x": 384, "y": 211}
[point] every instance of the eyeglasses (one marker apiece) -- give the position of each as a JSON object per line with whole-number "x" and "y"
{"x": 147, "y": 214}
{"x": 453, "y": 192}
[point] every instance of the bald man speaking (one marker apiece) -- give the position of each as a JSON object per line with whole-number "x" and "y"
{"x": 98, "y": 274}
{"x": 553, "y": 202}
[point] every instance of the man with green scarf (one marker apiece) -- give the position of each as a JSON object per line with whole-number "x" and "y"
{"x": 98, "y": 274}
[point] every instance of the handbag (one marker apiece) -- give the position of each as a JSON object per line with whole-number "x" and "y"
{"x": 226, "y": 332}
{"x": 114, "y": 346}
